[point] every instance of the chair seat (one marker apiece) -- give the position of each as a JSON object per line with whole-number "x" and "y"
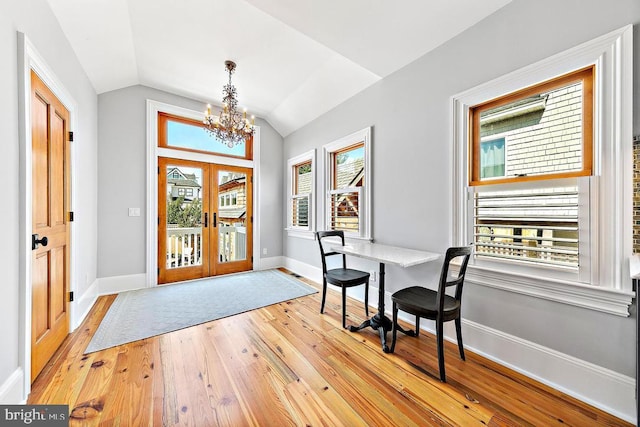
{"x": 422, "y": 302}
{"x": 346, "y": 277}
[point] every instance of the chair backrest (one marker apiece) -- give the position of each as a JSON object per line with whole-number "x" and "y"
{"x": 333, "y": 233}
{"x": 458, "y": 282}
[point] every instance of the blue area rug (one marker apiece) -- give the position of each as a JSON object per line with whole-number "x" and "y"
{"x": 144, "y": 313}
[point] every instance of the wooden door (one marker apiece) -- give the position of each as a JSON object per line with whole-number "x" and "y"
{"x": 232, "y": 214}
{"x": 50, "y": 224}
{"x": 204, "y": 220}
{"x": 183, "y": 221}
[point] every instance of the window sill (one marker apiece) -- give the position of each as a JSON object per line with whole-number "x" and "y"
{"x": 301, "y": 234}
{"x": 606, "y": 300}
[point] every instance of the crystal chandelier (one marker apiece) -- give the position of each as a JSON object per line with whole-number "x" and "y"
{"x": 231, "y": 127}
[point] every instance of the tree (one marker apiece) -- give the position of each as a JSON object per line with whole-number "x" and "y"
{"x": 184, "y": 214}
{"x": 174, "y": 210}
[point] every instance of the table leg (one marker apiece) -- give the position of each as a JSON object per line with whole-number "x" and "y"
{"x": 379, "y": 321}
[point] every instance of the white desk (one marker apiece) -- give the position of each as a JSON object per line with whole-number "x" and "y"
{"x": 384, "y": 254}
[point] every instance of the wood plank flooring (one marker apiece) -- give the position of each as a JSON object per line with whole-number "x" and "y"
{"x": 288, "y": 365}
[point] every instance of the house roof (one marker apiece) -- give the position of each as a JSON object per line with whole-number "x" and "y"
{"x": 183, "y": 183}
{"x": 232, "y": 213}
{"x": 350, "y": 173}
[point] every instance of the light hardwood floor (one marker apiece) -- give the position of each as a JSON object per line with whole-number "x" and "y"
{"x": 288, "y": 365}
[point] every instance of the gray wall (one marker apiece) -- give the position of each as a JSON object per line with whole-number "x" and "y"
{"x": 122, "y": 179}
{"x": 418, "y": 215}
{"x": 35, "y": 19}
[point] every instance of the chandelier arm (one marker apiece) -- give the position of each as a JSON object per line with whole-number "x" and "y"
{"x": 230, "y": 127}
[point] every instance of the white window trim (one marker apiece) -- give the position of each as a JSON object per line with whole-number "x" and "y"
{"x": 361, "y": 136}
{"x": 610, "y": 290}
{"x": 293, "y": 231}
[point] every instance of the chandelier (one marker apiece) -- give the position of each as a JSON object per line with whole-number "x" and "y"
{"x": 231, "y": 127}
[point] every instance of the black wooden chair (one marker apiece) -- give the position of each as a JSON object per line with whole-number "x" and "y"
{"x": 435, "y": 305}
{"x": 343, "y": 277}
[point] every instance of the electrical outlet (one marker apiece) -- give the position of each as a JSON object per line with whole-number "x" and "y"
{"x": 264, "y": 251}
{"x": 372, "y": 276}
{"x": 134, "y": 211}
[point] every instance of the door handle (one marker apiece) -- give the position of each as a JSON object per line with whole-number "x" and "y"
{"x": 35, "y": 241}
{"x": 206, "y": 219}
{"x": 215, "y": 219}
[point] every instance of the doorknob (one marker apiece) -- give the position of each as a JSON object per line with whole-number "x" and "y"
{"x": 35, "y": 241}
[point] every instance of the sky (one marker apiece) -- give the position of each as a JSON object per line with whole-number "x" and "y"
{"x": 187, "y": 136}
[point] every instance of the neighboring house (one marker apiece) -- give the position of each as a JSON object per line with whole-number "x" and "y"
{"x": 536, "y": 135}
{"x": 232, "y": 203}
{"x": 180, "y": 184}
{"x": 349, "y": 175}
{"x": 232, "y": 215}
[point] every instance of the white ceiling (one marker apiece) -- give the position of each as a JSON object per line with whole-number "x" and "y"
{"x": 296, "y": 59}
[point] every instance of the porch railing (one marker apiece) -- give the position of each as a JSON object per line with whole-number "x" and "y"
{"x": 184, "y": 247}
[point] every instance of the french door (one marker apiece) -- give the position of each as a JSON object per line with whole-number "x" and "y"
{"x": 205, "y": 219}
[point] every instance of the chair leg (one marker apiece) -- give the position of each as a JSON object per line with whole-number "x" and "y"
{"x": 324, "y": 295}
{"x": 344, "y": 308}
{"x": 394, "y": 328}
{"x": 417, "y": 326}
{"x": 366, "y": 298}
{"x": 459, "y": 335}
{"x": 439, "y": 336}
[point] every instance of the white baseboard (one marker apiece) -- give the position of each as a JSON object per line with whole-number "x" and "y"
{"x": 603, "y": 388}
{"x": 303, "y": 269}
{"x": 269, "y": 263}
{"x": 11, "y": 392}
{"x": 116, "y": 284}
{"x": 84, "y": 304}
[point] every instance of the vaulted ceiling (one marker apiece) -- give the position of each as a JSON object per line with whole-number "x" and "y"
{"x": 296, "y": 59}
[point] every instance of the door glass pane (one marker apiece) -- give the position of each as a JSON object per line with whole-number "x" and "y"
{"x": 232, "y": 216}
{"x": 184, "y": 216}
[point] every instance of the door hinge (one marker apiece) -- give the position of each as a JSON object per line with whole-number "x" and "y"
{"x": 71, "y": 296}
{"x": 71, "y": 136}
{"x": 71, "y": 216}
{"x": 158, "y": 220}
{"x": 252, "y": 219}
{"x": 158, "y": 271}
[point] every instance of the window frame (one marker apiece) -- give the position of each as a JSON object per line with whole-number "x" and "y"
{"x": 163, "y": 140}
{"x": 292, "y": 165}
{"x": 608, "y": 288}
{"x": 363, "y": 137}
{"x": 584, "y": 75}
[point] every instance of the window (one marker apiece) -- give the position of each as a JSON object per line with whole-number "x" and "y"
{"x": 348, "y": 185}
{"x": 542, "y": 166}
{"x": 545, "y": 132}
{"x": 188, "y": 134}
{"x": 301, "y": 192}
{"x": 542, "y": 132}
{"x": 301, "y": 183}
{"x": 492, "y": 160}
